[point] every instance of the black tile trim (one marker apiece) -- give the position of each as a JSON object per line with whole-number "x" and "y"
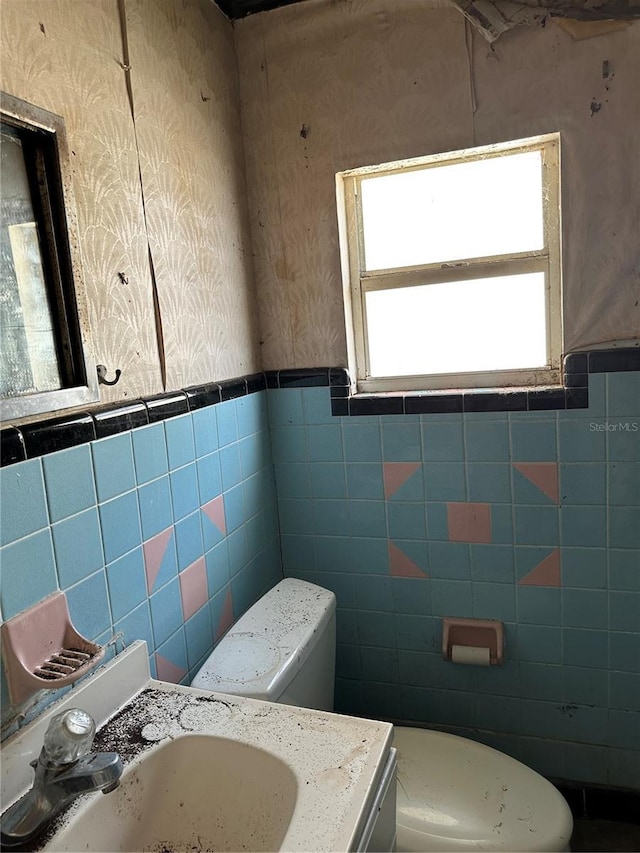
{"x": 118, "y": 417}
{"x": 614, "y": 360}
{"x": 311, "y": 377}
{"x": 12, "y": 447}
{"x": 200, "y": 396}
{"x": 44, "y": 437}
{"x": 231, "y": 389}
{"x": 256, "y": 382}
{"x": 593, "y": 803}
{"x": 164, "y": 406}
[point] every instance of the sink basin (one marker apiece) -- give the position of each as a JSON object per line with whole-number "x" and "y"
{"x": 196, "y": 792}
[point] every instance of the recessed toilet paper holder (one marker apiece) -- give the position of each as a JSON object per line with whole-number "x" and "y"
{"x": 474, "y": 634}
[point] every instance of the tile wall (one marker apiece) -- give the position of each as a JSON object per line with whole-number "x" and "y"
{"x": 165, "y": 533}
{"x": 529, "y": 517}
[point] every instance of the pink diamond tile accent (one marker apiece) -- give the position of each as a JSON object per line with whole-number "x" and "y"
{"x": 544, "y": 475}
{"x": 401, "y": 566}
{"x": 396, "y": 474}
{"x": 546, "y": 573}
{"x": 226, "y": 617}
{"x": 469, "y": 522}
{"x": 154, "y": 551}
{"x": 168, "y": 671}
{"x": 193, "y": 588}
{"x": 214, "y": 510}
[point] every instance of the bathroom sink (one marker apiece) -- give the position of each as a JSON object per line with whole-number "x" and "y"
{"x": 196, "y": 792}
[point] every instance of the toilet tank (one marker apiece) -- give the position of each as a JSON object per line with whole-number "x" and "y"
{"x": 282, "y": 650}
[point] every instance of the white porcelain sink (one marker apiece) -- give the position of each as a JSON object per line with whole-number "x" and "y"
{"x": 197, "y": 792}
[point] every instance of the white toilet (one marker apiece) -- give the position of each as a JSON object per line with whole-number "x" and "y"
{"x": 453, "y": 794}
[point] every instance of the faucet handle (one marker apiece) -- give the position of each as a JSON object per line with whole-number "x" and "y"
{"x": 69, "y": 736}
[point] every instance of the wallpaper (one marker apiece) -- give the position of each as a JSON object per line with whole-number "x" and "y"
{"x": 328, "y": 85}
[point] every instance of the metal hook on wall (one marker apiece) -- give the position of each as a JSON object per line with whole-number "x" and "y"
{"x": 101, "y": 370}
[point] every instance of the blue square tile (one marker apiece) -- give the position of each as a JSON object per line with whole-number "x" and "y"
{"x": 328, "y": 480}
{"x": 541, "y": 681}
{"x": 371, "y": 556}
{"x": 239, "y": 550}
{"x": 89, "y": 606}
{"x": 113, "y": 466}
{"x": 217, "y": 562}
{"x": 136, "y": 625}
{"x": 624, "y": 608}
{"x": 624, "y": 483}
{"x": 401, "y": 442}
{"x": 582, "y": 483}
{"x": 444, "y": 481}
{"x": 584, "y": 567}
{"x": 416, "y": 551}
{"x": 298, "y": 554}
{"x": 259, "y": 492}
{"x": 540, "y": 643}
{"x": 364, "y": 481}
{"x": 333, "y": 553}
{"x": 623, "y": 440}
{"x": 155, "y": 507}
{"x": 22, "y": 497}
{"x": 226, "y": 414}
{"x": 205, "y": 430}
{"x": 175, "y": 650}
{"x": 451, "y": 598}
{"x": 583, "y": 526}
{"x": 536, "y": 525}
{"x": 623, "y": 394}
{"x": 189, "y": 545}
{"x": 585, "y": 647}
{"x": 449, "y": 560}
{"x": 489, "y": 483}
{"x": 533, "y": 441}
{"x": 527, "y": 492}
{"x": 185, "y": 497}
{"x": 168, "y": 565}
{"x": 418, "y": 633}
{"x": 623, "y": 727}
{"x": 362, "y": 442}
{"x": 584, "y": 608}
{"x": 580, "y": 442}
{"x": 149, "y": 452}
{"x": 494, "y": 601}
{"x": 348, "y": 661}
{"x": 442, "y": 442}
{"x": 234, "y": 508}
{"x": 230, "y": 466}
{"x": 527, "y": 558}
{"x": 316, "y": 405}
{"x": 376, "y": 629}
{"x": 492, "y": 563}
{"x": 199, "y": 636}
{"x": 331, "y": 518}
{"x": 297, "y": 516}
{"x": 324, "y": 443}
{"x": 127, "y": 583}
{"x": 28, "y": 573}
{"x": 624, "y": 527}
{"x": 437, "y": 524}
{"x": 289, "y": 443}
{"x": 367, "y": 518}
{"x": 624, "y": 651}
{"x": 501, "y": 524}
{"x": 624, "y": 768}
{"x": 120, "y": 523}
{"x": 412, "y": 489}
{"x": 69, "y": 481}
{"x": 379, "y": 665}
{"x": 406, "y": 520}
{"x": 255, "y": 454}
{"x": 166, "y": 612}
{"x": 78, "y": 547}
{"x": 285, "y": 406}
{"x": 585, "y": 685}
{"x": 538, "y": 605}
{"x": 624, "y": 690}
{"x": 180, "y": 442}
{"x": 486, "y": 441}
{"x": 209, "y": 477}
{"x": 373, "y": 592}
{"x": 252, "y": 413}
{"x": 624, "y": 569}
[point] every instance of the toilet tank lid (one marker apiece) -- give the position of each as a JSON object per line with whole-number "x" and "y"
{"x": 267, "y": 646}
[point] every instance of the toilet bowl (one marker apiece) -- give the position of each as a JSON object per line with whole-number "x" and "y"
{"x": 453, "y": 794}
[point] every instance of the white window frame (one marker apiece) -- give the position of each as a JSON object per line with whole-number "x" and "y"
{"x": 357, "y": 281}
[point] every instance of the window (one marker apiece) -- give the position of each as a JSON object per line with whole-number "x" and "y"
{"x": 43, "y": 366}
{"x": 451, "y": 269}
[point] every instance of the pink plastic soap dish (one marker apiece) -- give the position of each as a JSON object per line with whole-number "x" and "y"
{"x": 43, "y": 651}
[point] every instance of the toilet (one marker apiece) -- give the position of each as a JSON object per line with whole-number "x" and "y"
{"x": 453, "y": 794}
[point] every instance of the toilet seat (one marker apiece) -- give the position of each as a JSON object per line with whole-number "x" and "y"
{"x": 456, "y": 795}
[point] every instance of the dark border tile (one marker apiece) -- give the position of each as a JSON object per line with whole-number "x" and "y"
{"x": 577, "y": 398}
{"x": 433, "y": 404}
{"x": 12, "y": 447}
{"x": 515, "y": 401}
{"x": 576, "y": 362}
{"x": 614, "y": 360}
{"x": 45, "y": 437}
{"x": 312, "y": 377}
{"x": 110, "y": 420}
{"x": 576, "y": 380}
{"x": 164, "y": 406}
{"x": 546, "y": 399}
{"x": 338, "y": 376}
{"x": 231, "y": 389}
{"x": 256, "y": 382}
{"x": 339, "y": 407}
{"x": 338, "y": 392}
{"x": 200, "y": 396}
{"x": 376, "y": 405}
{"x": 272, "y": 379}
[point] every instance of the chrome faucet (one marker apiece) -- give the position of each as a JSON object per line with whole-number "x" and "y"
{"x": 64, "y": 769}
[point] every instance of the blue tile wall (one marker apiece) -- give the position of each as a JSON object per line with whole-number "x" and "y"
{"x": 114, "y": 522}
{"x": 561, "y": 567}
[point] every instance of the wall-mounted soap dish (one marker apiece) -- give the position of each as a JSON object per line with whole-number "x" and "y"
{"x": 43, "y": 651}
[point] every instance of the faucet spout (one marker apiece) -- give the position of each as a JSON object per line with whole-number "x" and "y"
{"x": 55, "y": 786}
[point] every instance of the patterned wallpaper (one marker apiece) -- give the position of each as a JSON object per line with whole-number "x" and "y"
{"x": 328, "y": 85}
{"x": 67, "y": 56}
